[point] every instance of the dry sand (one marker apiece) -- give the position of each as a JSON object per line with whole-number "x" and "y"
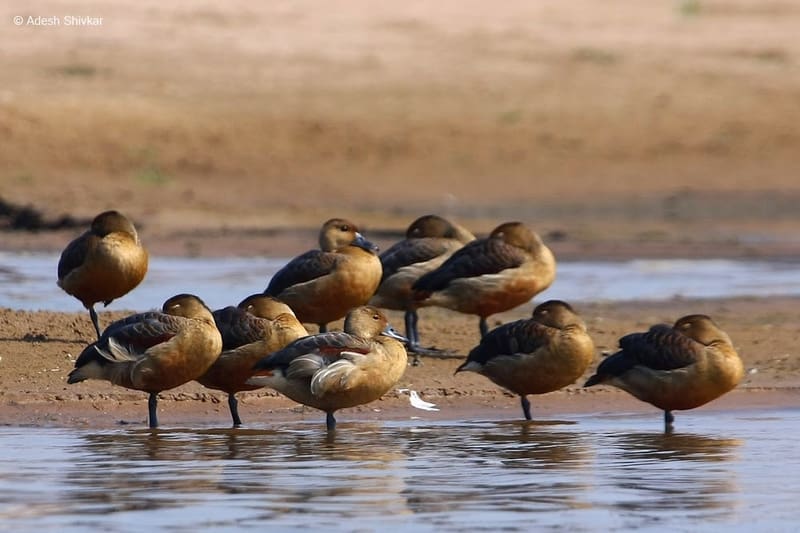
{"x": 625, "y": 129}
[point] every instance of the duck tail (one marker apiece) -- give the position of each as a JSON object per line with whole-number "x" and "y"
{"x": 469, "y": 366}
{"x": 594, "y": 380}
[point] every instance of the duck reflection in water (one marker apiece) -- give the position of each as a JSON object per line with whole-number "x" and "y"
{"x": 673, "y": 471}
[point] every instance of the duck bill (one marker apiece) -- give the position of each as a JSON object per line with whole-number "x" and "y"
{"x": 363, "y": 243}
{"x": 390, "y": 332}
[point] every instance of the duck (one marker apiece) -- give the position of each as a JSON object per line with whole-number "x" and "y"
{"x": 338, "y": 369}
{"x": 154, "y": 351}
{"x": 490, "y": 275}
{"x": 541, "y": 354}
{"x": 429, "y": 241}
{"x": 323, "y": 285}
{"x": 257, "y": 326}
{"x": 674, "y": 368}
{"x": 104, "y": 263}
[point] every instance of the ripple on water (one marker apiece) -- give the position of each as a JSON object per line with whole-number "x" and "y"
{"x": 583, "y": 473}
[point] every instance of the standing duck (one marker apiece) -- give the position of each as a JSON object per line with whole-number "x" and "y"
{"x": 335, "y": 370}
{"x": 104, "y": 263}
{"x": 429, "y": 240}
{"x": 323, "y": 285}
{"x": 490, "y": 275}
{"x": 154, "y": 351}
{"x": 534, "y": 356}
{"x": 258, "y": 326}
{"x": 674, "y": 368}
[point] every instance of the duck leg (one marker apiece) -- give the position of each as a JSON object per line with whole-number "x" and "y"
{"x": 233, "y": 405}
{"x": 669, "y": 418}
{"x": 152, "y": 405}
{"x": 484, "y": 327}
{"x": 330, "y": 421}
{"x": 526, "y": 407}
{"x": 323, "y": 328}
{"x": 93, "y": 315}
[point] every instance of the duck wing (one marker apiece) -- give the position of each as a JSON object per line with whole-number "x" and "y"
{"x": 306, "y": 267}
{"x": 238, "y": 327}
{"x": 323, "y": 349}
{"x": 410, "y": 252}
{"x": 660, "y": 348}
{"x": 74, "y": 254}
{"x": 128, "y": 339}
{"x": 520, "y": 337}
{"x": 477, "y": 258}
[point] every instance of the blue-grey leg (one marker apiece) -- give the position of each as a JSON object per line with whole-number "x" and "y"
{"x": 152, "y": 408}
{"x": 330, "y": 421}
{"x": 526, "y": 406}
{"x": 233, "y": 405}
{"x": 93, "y": 315}
{"x": 668, "y": 420}
{"x": 484, "y": 327}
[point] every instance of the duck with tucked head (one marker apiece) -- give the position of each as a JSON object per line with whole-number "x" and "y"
{"x": 338, "y": 369}
{"x": 490, "y": 275}
{"x": 154, "y": 351}
{"x": 104, "y": 263}
{"x": 323, "y": 285}
{"x": 429, "y": 241}
{"x": 258, "y": 326}
{"x": 674, "y": 368}
{"x": 537, "y": 355}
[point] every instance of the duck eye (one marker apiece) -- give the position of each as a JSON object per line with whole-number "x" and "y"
{"x": 345, "y": 228}
{"x": 376, "y": 317}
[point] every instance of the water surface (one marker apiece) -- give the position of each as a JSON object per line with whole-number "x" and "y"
{"x": 718, "y": 471}
{"x": 28, "y": 281}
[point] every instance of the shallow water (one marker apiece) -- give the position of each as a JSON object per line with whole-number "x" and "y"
{"x": 28, "y": 281}
{"x": 719, "y": 470}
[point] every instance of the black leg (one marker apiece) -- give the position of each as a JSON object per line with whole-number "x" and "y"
{"x": 668, "y": 420}
{"x": 484, "y": 327}
{"x": 411, "y": 318}
{"x": 93, "y": 315}
{"x": 411, "y": 326}
{"x": 233, "y": 404}
{"x": 330, "y": 421}
{"x": 323, "y": 328}
{"x": 526, "y": 407}
{"x": 152, "y": 406}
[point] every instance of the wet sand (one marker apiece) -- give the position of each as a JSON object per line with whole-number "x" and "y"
{"x": 617, "y": 131}
{"x": 39, "y": 349}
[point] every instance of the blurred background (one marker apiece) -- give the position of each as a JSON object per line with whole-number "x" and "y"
{"x": 617, "y": 127}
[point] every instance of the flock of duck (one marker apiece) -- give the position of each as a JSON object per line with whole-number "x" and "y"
{"x": 262, "y": 341}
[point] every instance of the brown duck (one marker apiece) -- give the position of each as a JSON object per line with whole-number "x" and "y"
{"x": 104, "y": 263}
{"x": 323, "y": 285}
{"x": 258, "y": 326}
{"x": 429, "y": 241}
{"x": 490, "y": 275}
{"x": 674, "y": 368}
{"x": 154, "y": 351}
{"x": 335, "y": 370}
{"x": 534, "y": 356}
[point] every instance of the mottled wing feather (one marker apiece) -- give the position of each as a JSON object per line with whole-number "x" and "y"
{"x": 306, "y": 267}
{"x": 329, "y": 345}
{"x": 477, "y": 258}
{"x": 238, "y": 327}
{"x": 660, "y": 348}
{"x": 522, "y": 336}
{"x": 136, "y": 333}
{"x": 410, "y": 252}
